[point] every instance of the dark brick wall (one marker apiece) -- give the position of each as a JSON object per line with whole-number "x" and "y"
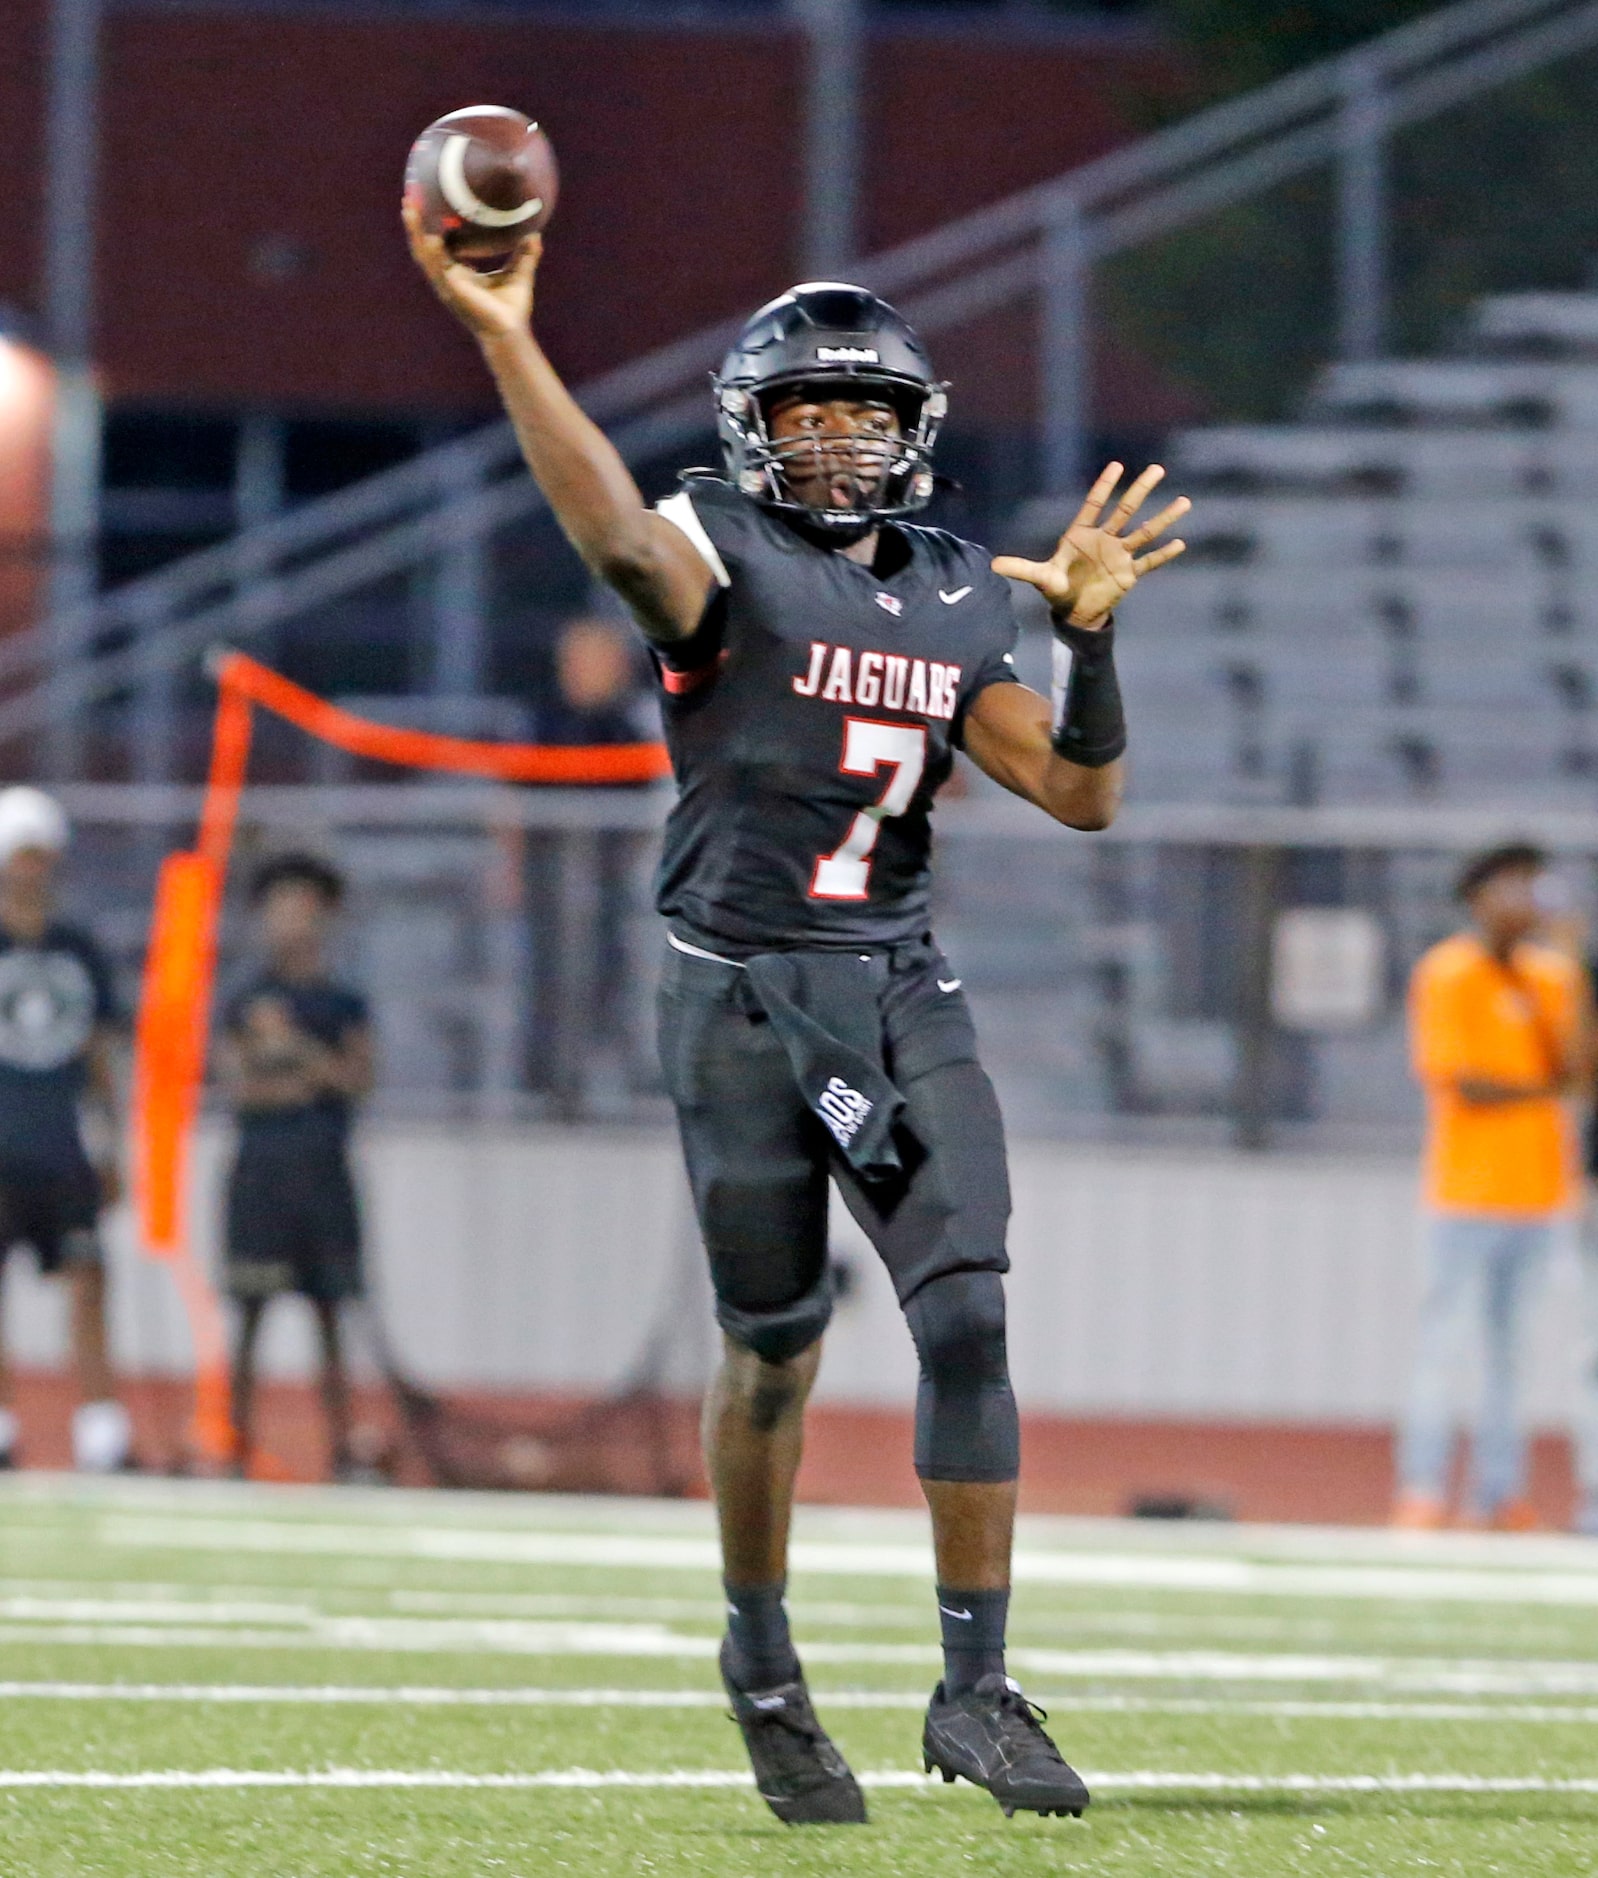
{"x": 21, "y": 165}
{"x": 252, "y": 191}
{"x": 250, "y": 247}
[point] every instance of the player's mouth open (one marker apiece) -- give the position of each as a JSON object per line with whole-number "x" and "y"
{"x": 844, "y": 485}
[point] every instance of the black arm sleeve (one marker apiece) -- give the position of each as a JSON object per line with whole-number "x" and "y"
{"x": 1089, "y": 722}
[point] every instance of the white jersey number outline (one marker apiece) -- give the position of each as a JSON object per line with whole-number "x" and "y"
{"x": 868, "y": 746}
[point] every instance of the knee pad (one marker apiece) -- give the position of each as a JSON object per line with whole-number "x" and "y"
{"x": 766, "y": 1242}
{"x": 966, "y": 1422}
{"x": 777, "y": 1332}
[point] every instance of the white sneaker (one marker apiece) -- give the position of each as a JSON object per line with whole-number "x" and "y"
{"x": 102, "y": 1437}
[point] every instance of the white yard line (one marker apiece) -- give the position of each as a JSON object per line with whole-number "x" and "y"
{"x": 161, "y": 1605}
{"x": 143, "y": 1589}
{"x": 334, "y": 1695}
{"x": 1492, "y": 1712}
{"x": 403, "y": 1695}
{"x": 1337, "y": 1783}
{"x": 33, "y": 1599}
{"x": 378, "y": 1777}
{"x": 1127, "y": 1570}
{"x": 418, "y": 1635}
{"x": 890, "y": 1611}
{"x": 570, "y": 1513}
{"x": 1411, "y": 1675}
{"x": 1461, "y": 1678}
{"x": 590, "y": 1778}
{"x": 153, "y": 1610}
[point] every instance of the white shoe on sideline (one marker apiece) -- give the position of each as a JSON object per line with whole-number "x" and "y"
{"x": 102, "y": 1437}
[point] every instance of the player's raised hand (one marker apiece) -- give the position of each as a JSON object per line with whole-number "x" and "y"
{"x": 1096, "y": 565}
{"x": 489, "y": 305}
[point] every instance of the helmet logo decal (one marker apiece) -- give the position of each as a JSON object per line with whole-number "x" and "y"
{"x": 848, "y": 355}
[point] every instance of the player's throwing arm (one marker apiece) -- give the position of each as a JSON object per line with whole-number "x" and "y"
{"x": 655, "y": 569}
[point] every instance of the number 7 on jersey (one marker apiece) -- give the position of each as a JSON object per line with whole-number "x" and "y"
{"x": 869, "y": 746}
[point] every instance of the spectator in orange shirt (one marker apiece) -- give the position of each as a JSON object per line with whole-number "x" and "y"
{"x": 1498, "y": 1027}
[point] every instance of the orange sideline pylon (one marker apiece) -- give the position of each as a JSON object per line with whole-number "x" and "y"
{"x": 173, "y": 1032}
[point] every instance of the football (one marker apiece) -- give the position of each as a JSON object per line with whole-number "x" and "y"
{"x": 483, "y": 178}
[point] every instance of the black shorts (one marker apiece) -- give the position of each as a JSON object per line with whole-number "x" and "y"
{"x": 759, "y": 1159}
{"x": 54, "y": 1210}
{"x": 293, "y": 1221}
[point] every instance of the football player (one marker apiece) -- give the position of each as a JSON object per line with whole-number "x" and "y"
{"x": 822, "y": 657}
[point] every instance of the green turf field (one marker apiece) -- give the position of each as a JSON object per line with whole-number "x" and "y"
{"x": 232, "y": 1681}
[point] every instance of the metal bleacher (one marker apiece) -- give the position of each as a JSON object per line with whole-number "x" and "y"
{"x": 453, "y": 536}
{"x": 1392, "y": 601}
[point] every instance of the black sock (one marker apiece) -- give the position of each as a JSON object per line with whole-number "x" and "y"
{"x": 973, "y": 1636}
{"x": 762, "y": 1653}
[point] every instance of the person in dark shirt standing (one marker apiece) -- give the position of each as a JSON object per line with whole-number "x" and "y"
{"x": 597, "y": 697}
{"x": 296, "y": 1056}
{"x": 581, "y": 939}
{"x": 57, "y": 1034}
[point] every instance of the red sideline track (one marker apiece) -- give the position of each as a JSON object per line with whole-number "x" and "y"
{"x": 1326, "y": 1474}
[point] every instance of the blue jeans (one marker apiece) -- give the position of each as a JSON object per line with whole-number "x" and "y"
{"x": 1480, "y": 1273}
{"x": 1587, "y": 1401}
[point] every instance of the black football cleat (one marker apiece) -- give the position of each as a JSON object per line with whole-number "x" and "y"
{"x": 801, "y": 1776}
{"x": 993, "y": 1736}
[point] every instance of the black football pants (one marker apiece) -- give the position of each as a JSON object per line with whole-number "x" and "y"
{"x": 759, "y": 1160}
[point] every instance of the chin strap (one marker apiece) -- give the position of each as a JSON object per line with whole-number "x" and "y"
{"x": 813, "y": 525}
{"x": 832, "y": 534}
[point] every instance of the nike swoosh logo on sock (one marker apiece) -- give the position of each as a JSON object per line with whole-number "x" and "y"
{"x": 965, "y": 1617}
{"x": 948, "y": 984}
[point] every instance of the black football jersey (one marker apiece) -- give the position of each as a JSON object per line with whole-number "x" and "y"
{"x": 323, "y": 1009}
{"x": 812, "y": 720}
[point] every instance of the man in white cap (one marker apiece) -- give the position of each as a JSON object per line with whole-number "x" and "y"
{"x": 57, "y": 1025}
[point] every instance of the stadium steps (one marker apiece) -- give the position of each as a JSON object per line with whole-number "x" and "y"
{"x": 1391, "y": 601}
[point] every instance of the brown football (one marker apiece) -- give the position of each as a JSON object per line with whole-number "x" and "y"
{"x": 483, "y": 178}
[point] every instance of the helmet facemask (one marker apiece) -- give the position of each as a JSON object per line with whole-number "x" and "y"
{"x": 873, "y": 478}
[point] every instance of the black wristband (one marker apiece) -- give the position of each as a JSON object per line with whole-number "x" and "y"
{"x": 1089, "y": 723}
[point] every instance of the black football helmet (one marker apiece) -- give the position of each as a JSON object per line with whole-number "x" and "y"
{"x": 841, "y": 340}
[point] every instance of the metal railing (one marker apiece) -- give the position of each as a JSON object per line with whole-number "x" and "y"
{"x": 1045, "y": 240}
{"x": 1145, "y": 984}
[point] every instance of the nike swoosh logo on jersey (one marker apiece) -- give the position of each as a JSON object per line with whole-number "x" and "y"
{"x": 949, "y": 984}
{"x": 964, "y": 1617}
{"x": 953, "y": 599}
